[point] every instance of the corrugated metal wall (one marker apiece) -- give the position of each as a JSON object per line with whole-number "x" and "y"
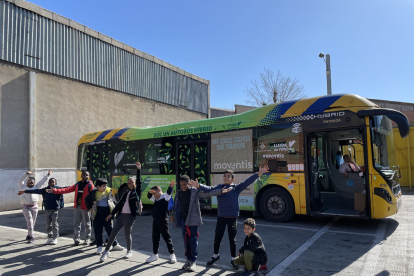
{"x": 404, "y": 151}
{"x": 29, "y": 39}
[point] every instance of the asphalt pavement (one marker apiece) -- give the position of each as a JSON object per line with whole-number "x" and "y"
{"x": 303, "y": 246}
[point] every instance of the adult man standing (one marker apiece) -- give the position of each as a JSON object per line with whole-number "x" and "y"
{"x": 228, "y": 211}
{"x": 348, "y": 166}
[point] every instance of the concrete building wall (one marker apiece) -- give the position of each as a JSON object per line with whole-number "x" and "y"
{"x": 14, "y": 117}
{"x": 64, "y": 111}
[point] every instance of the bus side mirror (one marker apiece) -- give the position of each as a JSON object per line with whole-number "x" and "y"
{"x": 399, "y": 170}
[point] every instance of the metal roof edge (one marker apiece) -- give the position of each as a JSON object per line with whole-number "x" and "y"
{"x": 80, "y": 27}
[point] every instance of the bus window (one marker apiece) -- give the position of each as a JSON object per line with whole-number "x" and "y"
{"x": 157, "y": 156}
{"x": 280, "y": 147}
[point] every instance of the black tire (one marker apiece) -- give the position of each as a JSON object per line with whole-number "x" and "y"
{"x": 277, "y": 205}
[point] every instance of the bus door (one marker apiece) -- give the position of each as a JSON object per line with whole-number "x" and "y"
{"x": 316, "y": 169}
{"x": 192, "y": 160}
{"x": 337, "y": 187}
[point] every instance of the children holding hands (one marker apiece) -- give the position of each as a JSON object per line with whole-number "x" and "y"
{"x": 29, "y": 200}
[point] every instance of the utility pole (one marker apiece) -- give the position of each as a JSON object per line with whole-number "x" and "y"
{"x": 328, "y": 72}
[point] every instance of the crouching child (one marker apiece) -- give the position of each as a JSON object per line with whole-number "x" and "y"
{"x": 252, "y": 254}
{"x": 100, "y": 203}
{"x": 160, "y": 221}
{"x": 187, "y": 215}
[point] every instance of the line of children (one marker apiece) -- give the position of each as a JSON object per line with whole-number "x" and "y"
{"x": 52, "y": 205}
{"x": 186, "y": 214}
{"x": 29, "y": 201}
{"x": 100, "y": 203}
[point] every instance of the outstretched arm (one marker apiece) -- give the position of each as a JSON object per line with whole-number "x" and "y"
{"x": 22, "y": 180}
{"x": 214, "y": 192}
{"x": 43, "y": 180}
{"x": 37, "y": 191}
{"x": 242, "y": 186}
{"x": 62, "y": 190}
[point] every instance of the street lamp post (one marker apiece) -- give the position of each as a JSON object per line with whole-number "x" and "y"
{"x": 328, "y": 72}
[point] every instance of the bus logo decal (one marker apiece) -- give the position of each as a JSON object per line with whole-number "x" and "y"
{"x": 296, "y": 128}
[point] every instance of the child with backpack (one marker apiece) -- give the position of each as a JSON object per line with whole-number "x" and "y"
{"x": 81, "y": 189}
{"x": 29, "y": 201}
{"x": 53, "y": 203}
{"x": 160, "y": 221}
{"x": 100, "y": 203}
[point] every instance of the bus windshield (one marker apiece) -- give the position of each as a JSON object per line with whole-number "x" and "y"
{"x": 382, "y": 143}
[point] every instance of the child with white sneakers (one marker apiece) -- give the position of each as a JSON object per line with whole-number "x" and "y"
{"x": 160, "y": 222}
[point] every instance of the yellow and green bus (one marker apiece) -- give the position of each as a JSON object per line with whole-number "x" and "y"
{"x": 302, "y": 142}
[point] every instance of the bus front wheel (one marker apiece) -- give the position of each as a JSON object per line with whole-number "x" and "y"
{"x": 277, "y": 205}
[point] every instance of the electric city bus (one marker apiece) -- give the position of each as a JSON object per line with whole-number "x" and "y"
{"x": 302, "y": 142}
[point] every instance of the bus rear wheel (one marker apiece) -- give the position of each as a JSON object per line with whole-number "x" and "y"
{"x": 277, "y": 205}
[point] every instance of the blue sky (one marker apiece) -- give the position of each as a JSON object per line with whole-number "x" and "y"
{"x": 371, "y": 43}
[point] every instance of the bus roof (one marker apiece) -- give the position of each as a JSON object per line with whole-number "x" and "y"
{"x": 264, "y": 115}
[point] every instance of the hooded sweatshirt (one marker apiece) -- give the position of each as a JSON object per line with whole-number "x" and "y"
{"x": 30, "y": 199}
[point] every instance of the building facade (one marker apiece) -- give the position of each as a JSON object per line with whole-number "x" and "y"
{"x": 60, "y": 80}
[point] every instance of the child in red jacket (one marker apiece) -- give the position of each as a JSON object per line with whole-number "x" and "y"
{"x": 81, "y": 189}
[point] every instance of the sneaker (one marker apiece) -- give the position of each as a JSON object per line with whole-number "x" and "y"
{"x": 186, "y": 265}
{"x": 53, "y": 242}
{"x": 128, "y": 255}
{"x": 27, "y": 238}
{"x": 105, "y": 255}
{"x": 87, "y": 242}
{"x": 247, "y": 273}
{"x": 76, "y": 242}
{"x": 32, "y": 239}
{"x": 99, "y": 250}
{"x": 117, "y": 248}
{"x": 173, "y": 259}
{"x": 213, "y": 260}
{"x": 93, "y": 243}
{"x": 192, "y": 267}
{"x": 153, "y": 258}
{"x": 234, "y": 266}
{"x": 49, "y": 241}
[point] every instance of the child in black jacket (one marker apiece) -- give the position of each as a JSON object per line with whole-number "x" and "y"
{"x": 126, "y": 211}
{"x": 160, "y": 222}
{"x": 252, "y": 254}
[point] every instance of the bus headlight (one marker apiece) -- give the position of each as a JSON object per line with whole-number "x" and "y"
{"x": 383, "y": 193}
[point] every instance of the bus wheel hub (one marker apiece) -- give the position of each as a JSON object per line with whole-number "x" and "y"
{"x": 276, "y": 205}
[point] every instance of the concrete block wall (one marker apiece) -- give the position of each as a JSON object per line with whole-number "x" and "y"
{"x": 64, "y": 111}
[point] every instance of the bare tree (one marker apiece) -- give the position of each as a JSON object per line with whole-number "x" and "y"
{"x": 273, "y": 88}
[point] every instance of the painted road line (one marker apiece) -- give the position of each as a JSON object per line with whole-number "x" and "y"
{"x": 137, "y": 251}
{"x": 299, "y": 251}
{"x": 351, "y": 233}
{"x": 302, "y": 228}
{"x": 274, "y": 226}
